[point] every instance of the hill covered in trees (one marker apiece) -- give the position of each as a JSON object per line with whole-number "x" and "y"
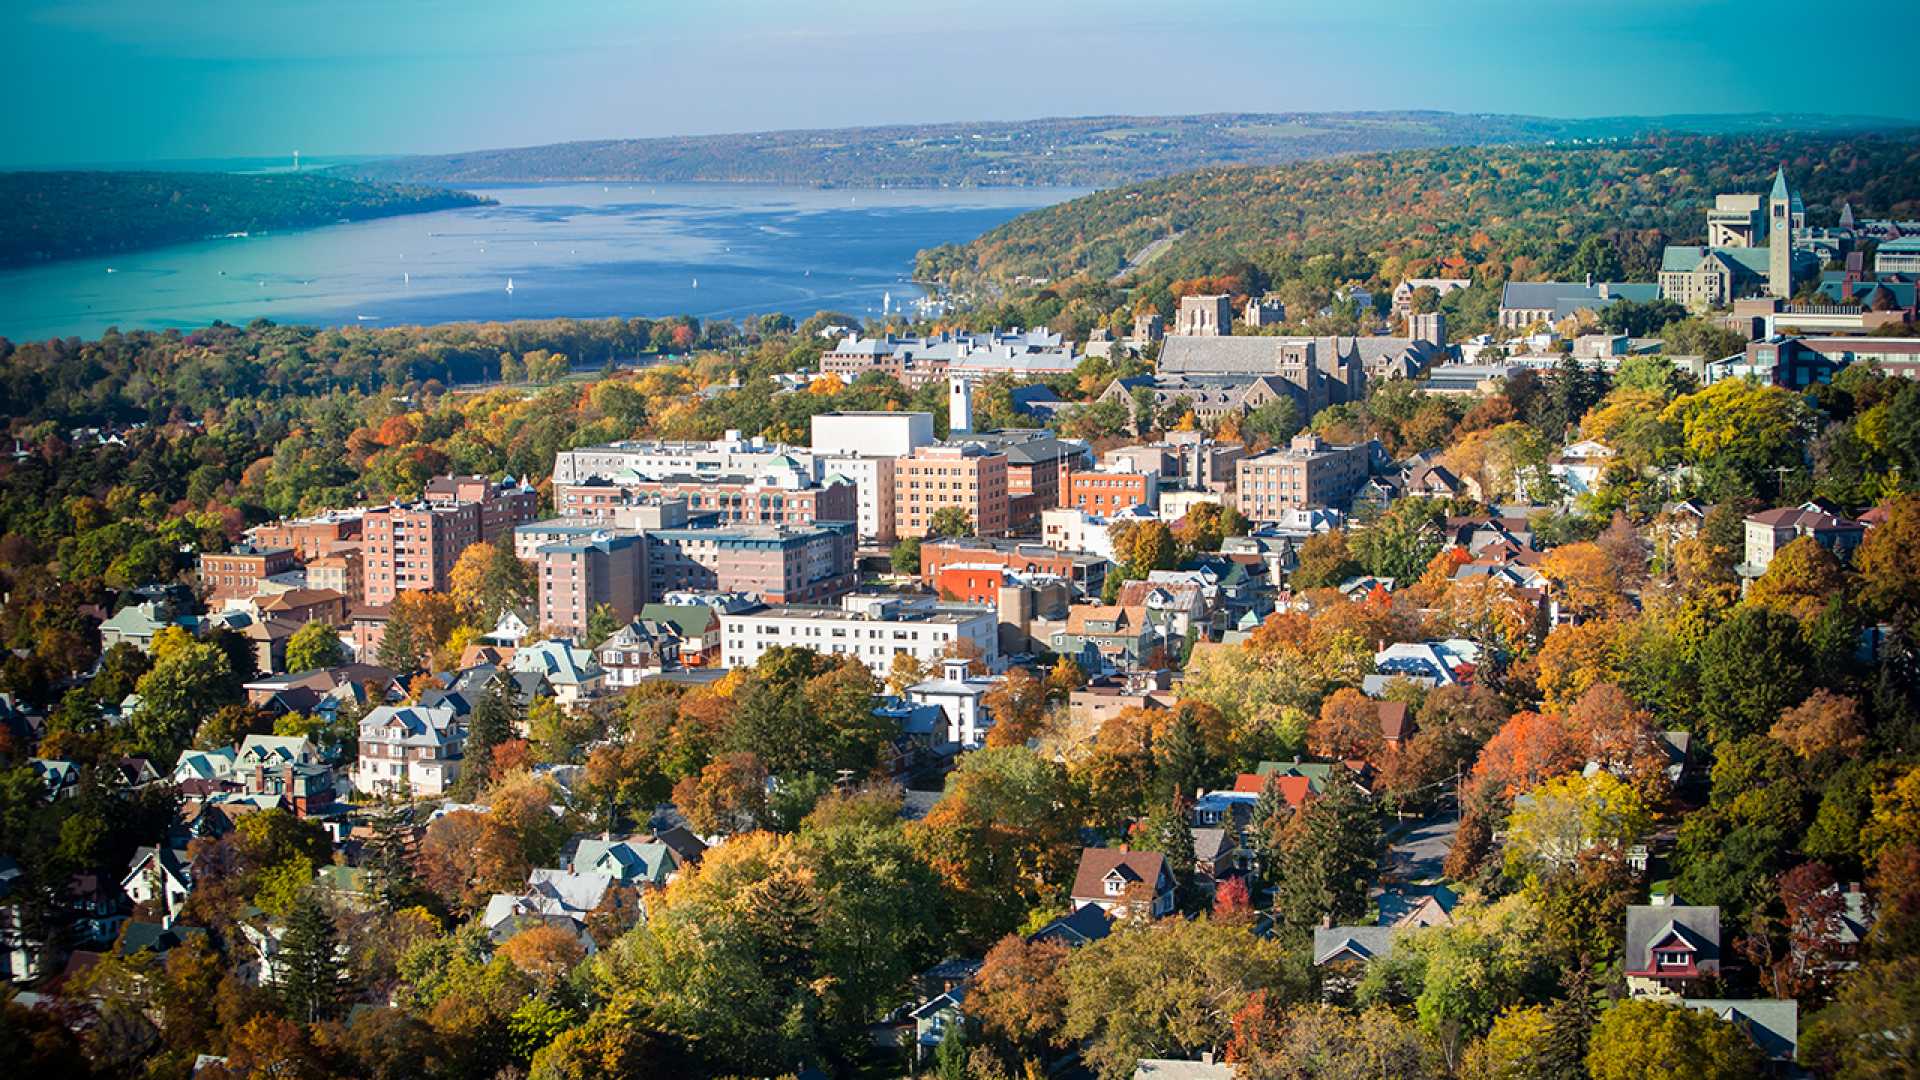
{"x": 1074, "y": 151}
{"x": 62, "y": 215}
{"x": 1492, "y": 213}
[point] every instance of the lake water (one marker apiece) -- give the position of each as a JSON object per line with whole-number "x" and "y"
{"x": 574, "y": 250}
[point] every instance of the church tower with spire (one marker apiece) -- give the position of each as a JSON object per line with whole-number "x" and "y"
{"x": 1780, "y": 237}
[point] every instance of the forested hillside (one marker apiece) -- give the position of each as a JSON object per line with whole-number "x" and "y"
{"x": 1492, "y": 213}
{"x": 1088, "y": 151}
{"x": 63, "y": 215}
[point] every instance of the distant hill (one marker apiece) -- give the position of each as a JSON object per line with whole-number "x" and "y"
{"x": 1095, "y": 151}
{"x": 1493, "y": 212}
{"x": 62, "y": 215}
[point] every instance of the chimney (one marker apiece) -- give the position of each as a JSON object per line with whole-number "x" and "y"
{"x": 1589, "y": 281}
{"x": 1206, "y": 1057}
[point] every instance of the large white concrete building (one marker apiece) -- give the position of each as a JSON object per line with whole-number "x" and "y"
{"x": 874, "y": 629}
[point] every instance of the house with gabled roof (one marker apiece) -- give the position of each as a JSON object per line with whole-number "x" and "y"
{"x": 1083, "y": 926}
{"x": 1671, "y": 948}
{"x": 571, "y": 670}
{"x": 1772, "y": 1023}
{"x": 409, "y": 747}
{"x": 1411, "y": 907}
{"x": 159, "y": 874}
{"x": 631, "y": 861}
{"x": 1341, "y": 955}
{"x": 1124, "y": 883}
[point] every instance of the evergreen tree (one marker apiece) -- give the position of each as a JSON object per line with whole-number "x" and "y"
{"x": 1165, "y": 830}
{"x": 1328, "y": 856}
{"x": 1184, "y": 763}
{"x": 1570, "y": 1024}
{"x": 490, "y": 725}
{"x": 1269, "y": 815}
{"x": 389, "y": 859}
{"x": 307, "y": 971}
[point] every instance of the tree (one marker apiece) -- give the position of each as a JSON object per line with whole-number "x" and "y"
{"x": 1826, "y": 724}
{"x": 1652, "y": 1040}
{"x": 388, "y": 858}
{"x": 1324, "y": 1042}
{"x": 950, "y": 521}
{"x": 1348, "y": 727}
{"x": 1514, "y": 1048}
{"x": 601, "y": 624}
{"x": 1802, "y": 578}
{"x": 1752, "y": 667}
{"x": 1141, "y": 547}
{"x": 1018, "y": 705}
{"x": 1018, "y": 998}
{"x": 1323, "y": 562}
{"x": 1735, "y": 432}
{"x": 315, "y": 645}
{"x": 1527, "y": 750}
{"x": 1402, "y": 541}
{"x": 417, "y": 623}
{"x": 1586, "y": 580}
{"x": 1327, "y": 858}
{"x": 1570, "y": 814}
{"x": 1166, "y": 990}
{"x": 1003, "y": 832}
{"x": 491, "y": 725}
{"x": 905, "y": 671}
{"x": 905, "y": 556}
{"x": 307, "y": 971}
{"x": 1869, "y": 1032}
{"x": 180, "y": 688}
{"x": 1275, "y": 421}
{"x": 729, "y": 795}
{"x": 1888, "y": 564}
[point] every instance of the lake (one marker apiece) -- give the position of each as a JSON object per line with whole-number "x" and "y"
{"x": 570, "y": 250}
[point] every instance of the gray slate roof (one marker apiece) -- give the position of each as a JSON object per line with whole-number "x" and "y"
{"x": 1367, "y": 942}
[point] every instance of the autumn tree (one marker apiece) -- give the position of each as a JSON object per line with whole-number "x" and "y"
{"x": 1018, "y": 706}
{"x": 1800, "y": 580}
{"x": 1752, "y": 667}
{"x": 1324, "y": 560}
{"x": 1017, "y": 996}
{"x": 1348, "y": 727}
{"x": 728, "y": 796}
{"x": 1654, "y": 1040}
{"x": 1825, "y": 725}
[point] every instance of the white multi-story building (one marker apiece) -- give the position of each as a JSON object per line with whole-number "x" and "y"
{"x": 959, "y": 694}
{"x": 872, "y": 479}
{"x": 409, "y": 747}
{"x": 871, "y": 434}
{"x": 730, "y": 456}
{"x": 873, "y": 629}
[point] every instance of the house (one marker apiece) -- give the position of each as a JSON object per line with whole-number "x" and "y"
{"x": 1396, "y": 723}
{"x": 627, "y": 862}
{"x": 1579, "y": 466}
{"x": 136, "y": 624}
{"x": 61, "y": 777}
{"x": 409, "y": 748}
{"x": 1447, "y": 663}
{"x": 1770, "y": 530}
{"x": 1341, "y": 955}
{"x": 640, "y": 648}
{"x": 571, "y": 670}
{"x": 159, "y": 875}
{"x": 1124, "y": 883}
{"x": 273, "y": 751}
{"x": 206, "y": 765}
{"x": 512, "y": 627}
{"x": 1670, "y": 948}
{"x": 1122, "y": 637}
{"x": 959, "y": 694}
{"x": 1216, "y": 855}
{"x": 935, "y": 1017}
{"x": 1084, "y": 926}
{"x": 1411, "y": 907}
{"x": 1773, "y": 1024}
{"x": 697, "y": 627}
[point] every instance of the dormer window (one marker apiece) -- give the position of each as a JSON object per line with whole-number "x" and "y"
{"x": 1673, "y": 958}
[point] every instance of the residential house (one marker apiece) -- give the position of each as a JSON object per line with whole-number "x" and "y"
{"x": 1772, "y": 1023}
{"x": 1412, "y": 907}
{"x": 1770, "y": 530}
{"x": 159, "y": 875}
{"x": 1083, "y": 926}
{"x": 1123, "y": 638}
{"x": 570, "y": 670}
{"x": 632, "y": 861}
{"x": 1450, "y": 662}
{"x": 1671, "y": 948}
{"x": 1124, "y": 883}
{"x": 696, "y": 626}
{"x": 1341, "y": 955}
{"x": 1216, "y": 856}
{"x": 409, "y": 748}
{"x": 640, "y": 648}
{"x": 959, "y": 694}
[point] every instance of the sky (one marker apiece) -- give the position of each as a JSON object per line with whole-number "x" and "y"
{"x": 123, "y": 81}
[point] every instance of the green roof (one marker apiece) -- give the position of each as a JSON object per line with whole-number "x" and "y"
{"x": 691, "y": 620}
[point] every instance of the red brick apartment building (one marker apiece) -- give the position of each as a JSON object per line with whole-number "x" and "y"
{"x": 237, "y": 574}
{"x": 969, "y": 477}
{"x": 414, "y": 546}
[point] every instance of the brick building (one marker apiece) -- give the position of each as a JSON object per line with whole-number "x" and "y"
{"x": 781, "y": 564}
{"x": 309, "y": 538}
{"x": 577, "y": 576}
{"x": 503, "y": 504}
{"x": 238, "y": 574}
{"x": 1087, "y": 573}
{"x": 785, "y": 495}
{"x": 1309, "y": 472}
{"x": 344, "y": 572}
{"x": 971, "y": 477}
{"x": 414, "y": 546}
{"x": 1105, "y": 493}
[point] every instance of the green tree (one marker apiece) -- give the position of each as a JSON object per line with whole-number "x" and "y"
{"x": 1327, "y": 859}
{"x": 315, "y": 645}
{"x": 1325, "y": 560}
{"x": 950, "y": 521}
{"x": 1652, "y": 1040}
{"x": 906, "y": 556}
{"x": 601, "y": 623}
{"x": 492, "y": 723}
{"x": 1402, "y": 541}
{"x": 180, "y": 688}
{"x": 308, "y": 975}
{"x": 1752, "y": 668}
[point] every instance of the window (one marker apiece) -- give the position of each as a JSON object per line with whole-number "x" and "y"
{"x": 1672, "y": 958}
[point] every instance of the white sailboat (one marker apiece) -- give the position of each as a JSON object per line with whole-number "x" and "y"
{"x": 406, "y": 278}
{"x": 509, "y": 286}
{"x": 696, "y": 283}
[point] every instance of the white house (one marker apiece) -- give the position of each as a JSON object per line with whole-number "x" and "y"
{"x": 414, "y": 747}
{"x": 1579, "y": 465}
{"x": 571, "y": 670}
{"x": 158, "y": 874}
{"x": 958, "y": 694}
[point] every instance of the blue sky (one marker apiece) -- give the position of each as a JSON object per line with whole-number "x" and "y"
{"x": 133, "y": 80}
